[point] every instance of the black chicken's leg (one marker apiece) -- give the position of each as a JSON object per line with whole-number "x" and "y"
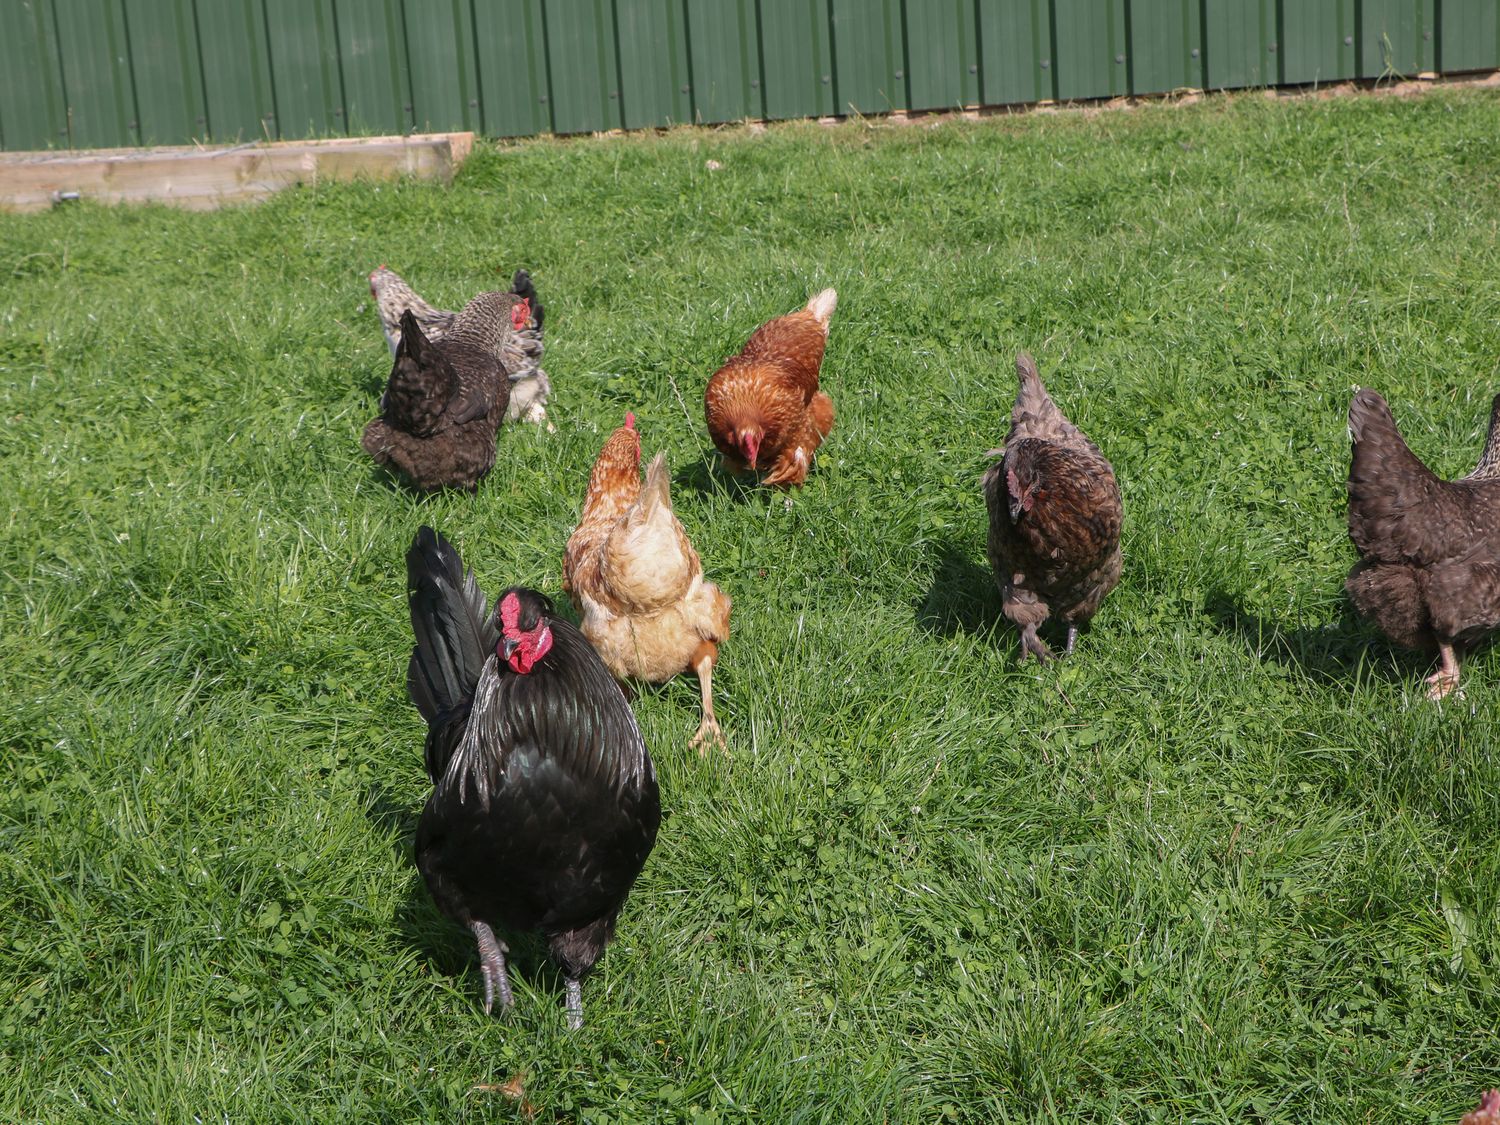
{"x": 492, "y": 965}
{"x": 575, "y": 1004}
{"x": 1072, "y": 638}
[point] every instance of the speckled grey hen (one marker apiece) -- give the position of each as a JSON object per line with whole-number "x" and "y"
{"x": 521, "y": 352}
{"x": 1429, "y": 549}
{"x": 444, "y": 400}
{"x": 1055, "y": 515}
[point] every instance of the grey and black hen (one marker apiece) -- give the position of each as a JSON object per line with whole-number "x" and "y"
{"x": 1429, "y": 549}
{"x": 1055, "y": 515}
{"x": 544, "y": 804}
{"x": 444, "y": 400}
{"x": 522, "y": 349}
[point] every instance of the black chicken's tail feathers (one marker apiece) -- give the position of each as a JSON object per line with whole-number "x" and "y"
{"x": 521, "y": 286}
{"x": 451, "y": 620}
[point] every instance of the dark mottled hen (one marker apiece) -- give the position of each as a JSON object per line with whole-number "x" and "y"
{"x": 544, "y": 803}
{"x": 1055, "y": 517}
{"x": 521, "y": 353}
{"x": 1429, "y": 550}
{"x": 445, "y": 398}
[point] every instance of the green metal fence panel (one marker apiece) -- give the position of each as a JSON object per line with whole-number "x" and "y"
{"x": 1469, "y": 35}
{"x": 1240, "y": 47}
{"x": 93, "y": 47}
{"x": 372, "y": 65}
{"x": 724, "y": 52}
{"x": 942, "y": 54}
{"x": 585, "y": 83}
{"x": 1091, "y": 59}
{"x": 1166, "y": 45}
{"x": 1015, "y": 51}
{"x": 869, "y": 70}
{"x": 797, "y": 58}
{"x": 1317, "y": 41}
{"x": 304, "y": 58}
{"x": 165, "y": 65}
{"x": 236, "y": 69}
{"x": 1396, "y": 37}
{"x": 513, "y": 98}
{"x": 444, "y": 69}
{"x": 652, "y": 50}
{"x": 33, "y": 109}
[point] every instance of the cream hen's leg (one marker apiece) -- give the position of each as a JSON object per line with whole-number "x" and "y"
{"x": 1445, "y": 680}
{"x": 708, "y": 730}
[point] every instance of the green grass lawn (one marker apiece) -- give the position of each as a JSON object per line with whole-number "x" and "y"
{"x": 1223, "y": 864}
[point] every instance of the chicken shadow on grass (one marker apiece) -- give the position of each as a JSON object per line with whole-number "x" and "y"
{"x": 962, "y": 598}
{"x": 446, "y": 947}
{"x": 1343, "y": 651}
{"x": 707, "y": 476}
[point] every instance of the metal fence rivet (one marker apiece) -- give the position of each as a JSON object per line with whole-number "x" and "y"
{"x": 542, "y": 99}
{"x": 755, "y": 83}
{"x": 612, "y": 93}
{"x": 406, "y": 108}
{"x": 825, "y": 79}
{"x": 1348, "y": 40}
{"x": 973, "y": 69}
{"x": 1272, "y": 48}
{"x": 685, "y": 89}
{"x": 899, "y": 74}
{"x": 1194, "y": 52}
{"x": 1046, "y": 63}
{"x": 1426, "y": 35}
{"x": 1119, "y": 58}
{"x": 473, "y": 103}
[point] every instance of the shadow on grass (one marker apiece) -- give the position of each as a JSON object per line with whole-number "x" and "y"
{"x": 962, "y": 598}
{"x": 707, "y": 476}
{"x": 1342, "y": 652}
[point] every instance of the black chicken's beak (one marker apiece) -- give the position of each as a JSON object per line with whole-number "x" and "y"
{"x": 508, "y": 645}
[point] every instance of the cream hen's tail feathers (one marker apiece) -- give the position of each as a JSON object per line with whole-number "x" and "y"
{"x": 648, "y": 561}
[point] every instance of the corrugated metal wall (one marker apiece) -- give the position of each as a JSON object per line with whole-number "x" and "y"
{"x": 90, "y": 73}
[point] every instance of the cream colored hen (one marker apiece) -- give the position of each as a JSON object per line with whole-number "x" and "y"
{"x": 636, "y": 581}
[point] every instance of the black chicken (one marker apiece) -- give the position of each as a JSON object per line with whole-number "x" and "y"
{"x": 544, "y": 803}
{"x": 1429, "y": 549}
{"x": 1055, "y": 516}
{"x": 446, "y": 398}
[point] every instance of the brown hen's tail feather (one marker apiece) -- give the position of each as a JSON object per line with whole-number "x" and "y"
{"x": 1381, "y": 458}
{"x": 821, "y": 305}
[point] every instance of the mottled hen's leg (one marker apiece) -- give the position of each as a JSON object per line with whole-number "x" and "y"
{"x": 492, "y": 964}
{"x": 1023, "y": 608}
{"x": 1445, "y": 679}
{"x": 708, "y": 730}
{"x": 575, "y": 1003}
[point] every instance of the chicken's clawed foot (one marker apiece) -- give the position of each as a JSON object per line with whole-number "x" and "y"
{"x": 492, "y": 966}
{"x": 1033, "y": 645}
{"x": 708, "y": 735}
{"x": 1444, "y": 681}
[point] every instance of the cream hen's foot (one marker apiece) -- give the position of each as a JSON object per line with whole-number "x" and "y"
{"x": 1444, "y": 681}
{"x": 709, "y": 733}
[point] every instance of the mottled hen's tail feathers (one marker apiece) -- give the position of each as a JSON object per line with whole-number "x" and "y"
{"x": 521, "y": 285}
{"x": 1489, "y": 461}
{"x": 1379, "y": 449}
{"x": 451, "y": 620}
{"x": 1032, "y": 399}
{"x": 1369, "y": 415}
{"x": 821, "y": 305}
{"x": 413, "y": 340}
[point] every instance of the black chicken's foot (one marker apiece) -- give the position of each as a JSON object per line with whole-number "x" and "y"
{"x": 492, "y": 964}
{"x": 575, "y": 1004}
{"x": 1072, "y": 638}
